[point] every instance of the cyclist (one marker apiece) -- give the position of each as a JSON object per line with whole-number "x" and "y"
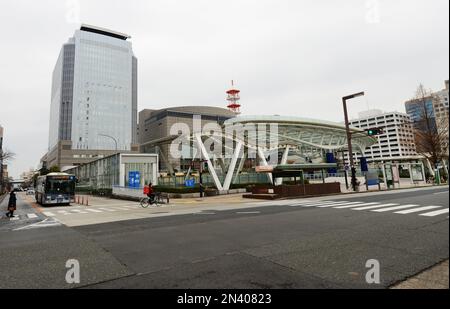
{"x": 148, "y": 190}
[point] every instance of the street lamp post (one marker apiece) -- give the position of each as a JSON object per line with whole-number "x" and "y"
{"x": 115, "y": 141}
{"x": 349, "y": 136}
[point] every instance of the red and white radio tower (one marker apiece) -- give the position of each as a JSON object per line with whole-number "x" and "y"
{"x": 233, "y": 98}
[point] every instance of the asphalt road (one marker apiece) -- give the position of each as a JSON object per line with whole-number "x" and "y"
{"x": 276, "y": 245}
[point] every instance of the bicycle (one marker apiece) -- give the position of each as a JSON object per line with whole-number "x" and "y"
{"x": 157, "y": 201}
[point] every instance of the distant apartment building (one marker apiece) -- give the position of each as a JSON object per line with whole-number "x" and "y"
{"x": 155, "y": 131}
{"x": 93, "y": 109}
{"x": 397, "y": 141}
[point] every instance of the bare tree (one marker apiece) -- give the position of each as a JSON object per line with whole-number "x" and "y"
{"x": 430, "y": 132}
{"x": 6, "y": 155}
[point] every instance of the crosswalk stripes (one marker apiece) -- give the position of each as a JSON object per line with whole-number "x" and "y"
{"x": 376, "y": 206}
{"x": 309, "y": 204}
{"x": 325, "y": 204}
{"x": 93, "y": 210}
{"x": 108, "y": 209}
{"x": 435, "y": 213}
{"x": 79, "y": 211}
{"x": 395, "y": 208}
{"x": 424, "y": 211}
{"x": 339, "y": 204}
{"x": 355, "y": 205}
{"x": 312, "y": 203}
{"x": 121, "y": 208}
{"x": 409, "y": 211}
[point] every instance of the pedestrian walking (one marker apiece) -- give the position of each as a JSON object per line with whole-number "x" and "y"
{"x": 11, "y": 204}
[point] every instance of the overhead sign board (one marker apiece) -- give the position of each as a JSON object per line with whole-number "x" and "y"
{"x": 264, "y": 169}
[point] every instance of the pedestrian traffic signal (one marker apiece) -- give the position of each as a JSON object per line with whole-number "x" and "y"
{"x": 374, "y": 131}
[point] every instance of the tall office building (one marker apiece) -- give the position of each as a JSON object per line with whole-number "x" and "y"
{"x": 94, "y": 98}
{"x": 436, "y": 106}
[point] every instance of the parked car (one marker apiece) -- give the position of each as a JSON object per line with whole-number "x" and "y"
{"x": 30, "y": 192}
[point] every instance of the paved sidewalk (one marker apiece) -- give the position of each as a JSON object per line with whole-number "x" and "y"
{"x": 433, "y": 278}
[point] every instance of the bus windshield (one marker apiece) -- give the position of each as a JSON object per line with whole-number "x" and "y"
{"x": 61, "y": 186}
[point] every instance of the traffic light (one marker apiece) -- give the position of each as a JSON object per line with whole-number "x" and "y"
{"x": 374, "y": 131}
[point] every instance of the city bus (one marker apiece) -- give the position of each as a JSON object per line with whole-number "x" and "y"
{"x": 55, "y": 188}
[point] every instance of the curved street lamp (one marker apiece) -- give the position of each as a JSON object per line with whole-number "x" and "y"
{"x": 115, "y": 141}
{"x": 349, "y": 136}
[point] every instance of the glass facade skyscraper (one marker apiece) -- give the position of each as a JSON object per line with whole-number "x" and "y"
{"x": 94, "y": 92}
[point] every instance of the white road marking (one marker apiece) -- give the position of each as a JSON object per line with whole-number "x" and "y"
{"x": 320, "y": 202}
{"x": 15, "y": 218}
{"x": 204, "y": 213}
{"x": 396, "y": 208}
{"x": 404, "y": 212}
{"x": 49, "y": 214}
{"x": 248, "y": 212}
{"x": 93, "y": 210}
{"x": 340, "y": 204}
{"x": 445, "y": 192}
{"x": 64, "y": 212}
{"x": 110, "y": 205}
{"x": 355, "y": 205}
{"x": 107, "y": 209}
{"x": 79, "y": 211}
{"x": 121, "y": 208}
{"x": 376, "y": 206}
{"x": 44, "y": 223}
{"x": 316, "y": 204}
{"x": 32, "y": 216}
{"x": 435, "y": 213}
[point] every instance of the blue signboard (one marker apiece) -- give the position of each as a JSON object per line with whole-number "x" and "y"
{"x": 134, "y": 179}
{"x": 331, "y": 159}
{"x": 190, "y": 183}
{"x": 364, "y": 166}
{"x": 372, "y": 182}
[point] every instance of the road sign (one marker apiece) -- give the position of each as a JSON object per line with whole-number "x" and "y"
{"x": 190, "y": 183}
{"x": 364, "y": 166}
{"x": 134, "y": 179}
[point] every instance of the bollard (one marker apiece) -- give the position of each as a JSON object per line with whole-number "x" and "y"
{"x": 82, "y": 200}
{"x": 87, "y": 201}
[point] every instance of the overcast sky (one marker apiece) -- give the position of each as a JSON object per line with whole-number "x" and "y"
{"x": 288, "y": 57}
